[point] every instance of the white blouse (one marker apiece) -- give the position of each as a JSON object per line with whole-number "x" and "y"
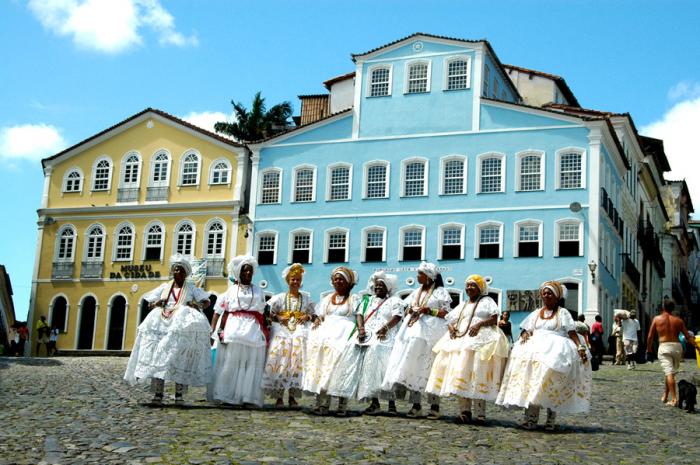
{"x": 194, "y": 293}
{"x": 485, "y": 310}
{"x": 278, "y": 303}
{"x": 561, "y": 323}
{"x": 242, "y": 329}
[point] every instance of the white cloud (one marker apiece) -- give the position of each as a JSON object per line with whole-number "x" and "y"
{"x": 679, "y": 129}
{"x": 30, "y": 142}
{"x": 684, "y": 90}
{"x": 207, "y": 119}
{"x": 108, "y": 26}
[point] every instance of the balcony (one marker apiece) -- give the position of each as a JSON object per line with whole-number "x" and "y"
{"x": 91, "y": 270}
{"x": 62, "y": 270}
{"x": 154, "y": 194}
{"x": 631, "y": 271}
{"x": 215, "y": 267}
{"x": 129, "y": 194}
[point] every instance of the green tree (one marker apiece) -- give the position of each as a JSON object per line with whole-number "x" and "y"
{"x": 258, "y": 122}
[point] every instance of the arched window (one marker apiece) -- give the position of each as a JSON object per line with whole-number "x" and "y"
{"x": 457, "y": 74}
{"x": 415, "y": 177}
{"x": 73, "y": 181}
{"x": 124, "y": 243}
{"x": 489, "y": 238}
{"x": 220, "y": 172}
{"x": 412, "y": 242}
{"x": 58, "y": 313}
{"x": 528, "y": 238}
{"x": 451, "y": 245}
{"x": 94, "y": 244}
{"x": 131, "y": 170}
{"x": 270, "y": 186}
{"x": 65, "y": 244}
{"x": 337, "y": 241}
{"x": 491, "y": 173}
{"x": 301, "y": 242}
{"x": 153, "y": 242}
{"x": 304, "y": 184}
{"x": 184, "y": 238}
{"x": 189, "y": 171}
{"x": 339, "y": 182}
{"x": 379, "y": 81}
{"x": 267, "y": 247}
{"x": 417, "y": 77}
{"x": 374, "y": 244}
{"x": 102, "y": 174}
{"x": 569, "y": 238}
{"x": 376, "y": 179}
{"x": 529, "y": 175}
{"x": 453, "y": 175}
{"x": 214, "y": 239}
{"x": 160, "y": 169}
{"x": 571, "y": 165}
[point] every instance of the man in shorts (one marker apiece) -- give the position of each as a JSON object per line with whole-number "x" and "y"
{"x": 670, "y": 354}
{"x": 630, "y": 329}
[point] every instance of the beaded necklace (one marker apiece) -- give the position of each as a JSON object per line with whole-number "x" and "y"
{"x": 342, "y": 302}
{"x": 417, "y": 302}
{"x": 238, "y": 299}
{"x": 299, "y": 300}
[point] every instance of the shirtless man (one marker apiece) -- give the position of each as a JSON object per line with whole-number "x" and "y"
{"x": 668, "y": 327}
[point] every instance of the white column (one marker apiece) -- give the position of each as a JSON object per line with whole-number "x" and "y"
{"x": 594, "y": 138}
{"x": 254, "y": 178}
{"x": 357, "y": 102}
{"x": 477, "y": 80}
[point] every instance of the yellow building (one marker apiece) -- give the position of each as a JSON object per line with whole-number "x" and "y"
{"x": 115, "y": 207}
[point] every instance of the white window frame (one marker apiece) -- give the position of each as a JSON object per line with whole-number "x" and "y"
{"x": 86, "y": 243}
{"x": 566, "y": 150}
{"x": 446, "y": 67}
{"x": 441, "y": 229}
{"x": 486, "y": 81}
{"x": 81, "y": 181}
{"x": 516, "y": 235}
{"x": 329, "y": 172}
{"x": 109, "y": 174}
{"x": 228, "y": 170}
{"x": 166, "y": 182}
{"x": 370, "y": 70}
{"x": 402, "y": 232}
{"x": 163, "y": 235}
{"x": 477, "y": 238}
{"x": 557, "y": 227}
{"x": 365, "y": 232}
{"x": 267, "y": 233}
{"x": 115, "y": 242}
{"x": 484, "y": 156}
{"x": 290, "y": 248}
{"x": 176, "y": 232}
{"x": 262, "y": 183}
{"x": 139, "y": 170}
{"x": 518, "y": 168}
{"x": 294, "y": 183}
{"x": 366, "y": 168}
{"x": 407, "y": 68}
{"x": 57, "y": 245}
{"x": 426, "y": 167}
{"x": 208, "y": 231}
{"x": 443, "y": 164}
{"x": 183, "y": 159}
{"x": 326, "y": 242}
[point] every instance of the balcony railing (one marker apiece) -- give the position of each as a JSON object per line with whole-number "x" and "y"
{"x": 157, "y": 193}
{"x": 62, "y": 270}
{"x": 215, "y": 267}
{"x": 130, "y": 194}
{"x": 91, "y": 270}
{"x": 631, "y": 271}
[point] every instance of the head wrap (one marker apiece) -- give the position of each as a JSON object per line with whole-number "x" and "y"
{"x": 349, "y": 275}
{"x": 556, "y": 287}
{"x": 479, "y": 281}
{"x": 236, "y": 265}
{"x": 295, "y": 269}
{"x": 428, "y": 269}
{"x": 389, "y": 280}
{"x": 182, "y": 261}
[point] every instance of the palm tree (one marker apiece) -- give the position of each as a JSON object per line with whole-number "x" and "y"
{"x": 258, "y": 123}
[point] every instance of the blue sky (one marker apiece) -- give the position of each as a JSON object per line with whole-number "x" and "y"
{"x": 71, "y": 68}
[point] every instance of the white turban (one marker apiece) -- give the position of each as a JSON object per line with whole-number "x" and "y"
{"x": 349, "y": 275}
{"x": 389, "y": 280}
{"x": 236, "y": 265}
{"x": 428, "y": 269}
{"x": 556, "y": 287}
{"x": 182, "y": 261}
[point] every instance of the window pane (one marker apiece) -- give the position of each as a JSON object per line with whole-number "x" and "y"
{"x": 124, "y": 240}
{"x": 530, "y": 173}
{"x": 457, "y": 74}
{"x": 376, "y": 181}
{"x": 418, "y": 78}
{"x": 568, "y": 249}
{"x": 415, "y": 173}
{"x": 301, "y": 248}
{"x": 489, "y": 242}
{"x": 491, "y": 175}
{"x": 451, "y": 252}
{"x": 374, "y": 248}
{"x": 412, "y": 245}
{"x": 304, "y": 186}
{"x": 570, "y": 171}
{"x": 101, "y": 181}
{"x": 340, "y": 184}
{"x": 453, "y": 177}
{"x": 184, "y": 240}
{"x": 266, "y": 250}
{"x": 336, "y": 247}
{"x": 190, "y": 169}
{"x": 270, "y": 187}
{"x": 379, "y": 82}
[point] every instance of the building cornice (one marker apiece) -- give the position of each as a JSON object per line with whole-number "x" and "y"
{"x": 113, "y": 209}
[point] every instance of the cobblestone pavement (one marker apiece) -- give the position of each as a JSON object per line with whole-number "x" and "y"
{"x": 78, "y": 411}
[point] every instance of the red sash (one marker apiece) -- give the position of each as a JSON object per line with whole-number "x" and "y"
{"x": 259, "y": 318}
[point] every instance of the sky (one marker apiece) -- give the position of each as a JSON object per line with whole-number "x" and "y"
{"x": 71, "y": 68}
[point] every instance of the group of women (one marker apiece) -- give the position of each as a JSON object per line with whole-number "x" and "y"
{"x": 367, "y": 345}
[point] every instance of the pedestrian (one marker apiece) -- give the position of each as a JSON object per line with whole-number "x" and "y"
{"x": 412, "y": 356}
{"x": 329, "y": 336}
{"x": 291, "y": 313}
{"x": 42, "y": 331}
{"x": 172, "y": 344}
{"x": 667, "y": 327}
{"x": 505, "y": 326}
{"x": 53, "y": 340}
{"x": 14, "y": 340}
{"x": 583, "y": 330}
{"x": 471, "y": 356}
{"x": 630, "y": 332}
{"x": 23, "y": 333}
{"x": 597, "y": 346}
{"x": 361, "y": 368}
{"x": 243, "y": 338}
{"x": 547, "y": 366}
{"x": 616, "y": 333}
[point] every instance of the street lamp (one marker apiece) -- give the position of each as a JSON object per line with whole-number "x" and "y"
{"x": 592, "y": 266}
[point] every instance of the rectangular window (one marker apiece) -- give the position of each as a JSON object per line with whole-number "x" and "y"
{"x": 570, "y": 171}
{"x": 487, "y": 80}
{"x": 415, "y": 179}
{"x": 65, "y": 248}
{"x": 266, "y": 250}
{"x": 418, "y": 78}
{"x": 530, "y": 173}
{"x": 337, "y": 243}
{"x": 379, "y": 86}
{"x": 189, "y": 173}
{"x": 457, "y": 76}
{"x": 215, "y": 244}
{"x": 102, "y": 177}
{"x": 453, "y": 180}
{"x": 569, "y": 240}
{"x": 529, "y": 240}
{"x": 412, "y": 245}
{"x": 489, "y": 242}
{"x": 340, "y": 184}
{"x": 270, "y": 187}
{"x": 304, "y": 191}
{"x": 491, "y": 175}
{"x": 376, "y": 182}
{"x": 301, "y": 251}
{"x": 374, "y": 248}
{"x": 123, "y": 247}
{"x": 451, "y": 244}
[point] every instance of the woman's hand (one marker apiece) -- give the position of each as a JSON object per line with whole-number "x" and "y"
{"x": 316, "y": 323}
{"x": 582, "y": 354}
{"x": 361, "y": 334}
{"x": 381, "y": 332}
{"x": 452, "y": 330}
{"x": 424, "y": 310}
{"x": 524, "y": 336}
{"x": 474, "y": 330}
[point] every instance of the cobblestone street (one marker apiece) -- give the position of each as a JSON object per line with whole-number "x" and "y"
{"x": 77, "y": 410}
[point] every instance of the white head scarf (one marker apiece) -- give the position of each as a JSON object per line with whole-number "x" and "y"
{"x": 428, "y": 269}
{"x": 389, "y": 280}
{"x": 236, "y": 264}
{"x": 182, "y": 261}
{"x": 349, "y": 275}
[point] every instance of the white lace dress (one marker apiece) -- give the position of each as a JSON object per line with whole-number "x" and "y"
{"x": 546, "y": 370}
{"x": 470, "y": 367}
{"x": 325, "y": 344}
{"x": 172, "y": 343}
{"x": 361, "y": 368}
{"x": 240, "y": 359}
{"x": 285, "y": 356}
{"x": 412, "y": 356}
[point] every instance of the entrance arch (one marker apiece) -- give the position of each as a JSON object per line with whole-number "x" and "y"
{"x": 86, "y": 325}
{"x": 116, "y": 323}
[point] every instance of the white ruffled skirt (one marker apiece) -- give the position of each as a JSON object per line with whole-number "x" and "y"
{"x": 285, "y": 359}
{"x": 547, "y": 371}
{"x": 324, "y": 347}
{"x": 173, "y": 349}
{"x": 238, "y": 375}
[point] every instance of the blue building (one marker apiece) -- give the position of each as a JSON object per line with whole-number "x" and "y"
{"x": 434, "y": 150}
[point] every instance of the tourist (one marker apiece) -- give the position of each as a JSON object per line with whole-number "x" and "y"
{"x": 361, "y": 368}
{"x": 548, "y": 365}
{"x": 412, "y": 356}
{"x": 23, "y": 332}
{"x": 243, "y": 338}
{"x": 505, "y": 326}
{"x": 172, "y": 344}
{"x": 597, "y": 346}
{"x": 630, "y": 331}
{"x": 42, "y": 330}
{"x": 290, "y": 313}
{"x": 53, "y": 340}
{"x": 471, "y": 356}
{"x": 619, "y": 343}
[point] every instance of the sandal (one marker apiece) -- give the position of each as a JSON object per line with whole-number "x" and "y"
{"x": 279, "y": 404}
{"x": 464, "y": 418}
{"x": 179, "y": 401}
{"x": 293, "y": 403}
{"x": 480, "y": 420}
{"x": 414, "y": 412}
{"x": 528, "y": 425}
{"x": 373, "y": 409}
{"x": 320, "y": 411}
{"x": 157, "y": 399}
{"x": 434, "y": 413}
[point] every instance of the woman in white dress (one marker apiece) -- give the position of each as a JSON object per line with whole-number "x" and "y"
{"x": 329, "y": 335}
{"x": 172, "y": 343}
{"x": 361, "y": 368}
{"x": 548, "y": 365}
{"x": 290, "y": 312}
{"x": 243, "y": 337}
{"x": 412, "y": 355}
{"x": 471, "y": 356}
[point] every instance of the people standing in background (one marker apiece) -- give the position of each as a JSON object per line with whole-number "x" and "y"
{"x": 596, "y": 337}
{"x": 619, "y": 344}
{"x": 53, "y": 339}
{"x": 505, "y": 325}
{"x": 630, "y": 337}
{"x": 42, "y": 330}
{"x": 23, "y": 333}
